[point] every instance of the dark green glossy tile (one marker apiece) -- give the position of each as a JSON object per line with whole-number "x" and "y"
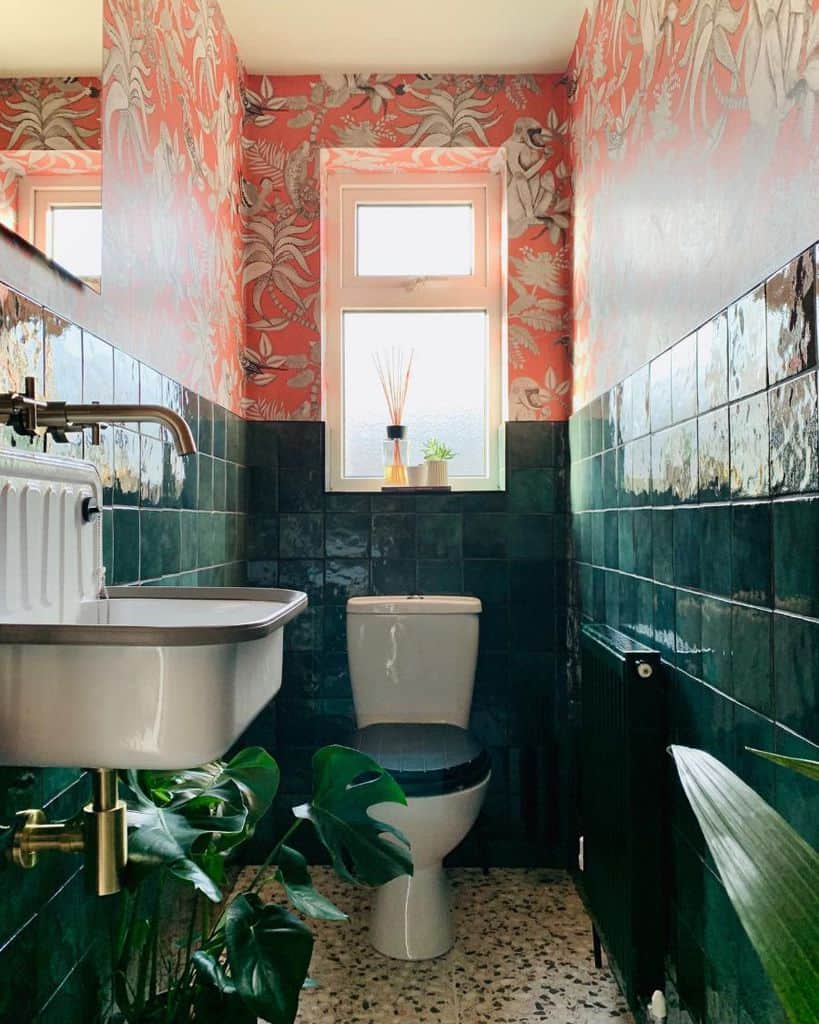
{"x": 232, "y": 501}
{"x": 206, "y": 425}
{"x": 625, "y": 540}
{"x": 532, "y": 581}
{"x": 301, "y": 536}
{"x": 263, "y": 486}
{"x": 393, "y": 536}
{"x": 716, "y": 643}
{"x": 796, "y": 692}
{"x": 529, "y": 445}
{"x": 190, "y": 411}
{"x": 684, "y": 379}
{"x": 487, "y": 579}
{"x": 750, "y": 454}
{"x": 301, "y": 444}
{"x": 714, "y": 456}
{"x": 751, "y": 657}
{"x": 485, "y": 536}
{"x": 608, "y": 482}
{"x": 794, "y": 436}
{"x": 635, "y": 487}
{"x": 439, "y": 504}
{"x": 219, "y": 431}
{"x": 347, "y": 534}
{"x": 151, "y": 472}
{"x": 714, "y": 525}
{"x": 440, "y": 577}
{"x": 126, "y": 546}
{"x": 205, "y": 482}
{"x": 263, "y": 537}
{"x": 790, "y": 297}
{"x": 307, "y": 574}
{"x": 160, "y": 543}
{"x": 686, "y": 530}
{"x": 712, "y": 363}
{"x": 532, "y": 628}
{"x": 532, "y": 490}
{"x": 151, "y": 392}
{"x": 264, "y": 573}
{"x": 108, "y": 541}
{"x": 796, "y": 578}
{"x": 439, "y": 536}
{"x": 662, "y": 534}
{"x": 642, "y": 541}
{"x": 595, "y": 426}
{"x": 747, "y": 344}
{"x": 219, "y": 485}
{"x": 97, "y": 370}
{"x": 175, "y": 471}
{"x": 660, "y": 375}
{"x": 689, "y": 633}
{"x": 126, "y": 379}
{"x": 345, "y": 578}
{"x": 751, "y": 553}
{"x": 665, "y": 621}
{"x": 611, "y": 539}
{"x": 63, "y": 359}
{"x": 636, "y": 403}
{"x": 126, "y": 467}
{"x": 394, "y": 576}
{"x": 756, "y": 731}
{"x": 530, "y": 536}
{"x": 188, "y": 541}
{"x": 301, "y": 490}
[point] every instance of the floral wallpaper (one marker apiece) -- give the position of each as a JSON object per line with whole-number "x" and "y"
{"x": 171, "y": 114}
{"x": 695, "y": 151}
{"x": 289, "y": 120}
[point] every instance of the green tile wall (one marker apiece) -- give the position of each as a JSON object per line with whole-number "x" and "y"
{"x": 167, "y": 522}
{"x": 694, "y": 519}
{"x": 510, "y": 549}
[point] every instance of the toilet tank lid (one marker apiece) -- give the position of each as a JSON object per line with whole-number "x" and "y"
{"x": 414, "y": 604}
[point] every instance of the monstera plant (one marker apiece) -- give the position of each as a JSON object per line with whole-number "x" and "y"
{"x": 250, "y": 959}
{"x": 770, "y": 873}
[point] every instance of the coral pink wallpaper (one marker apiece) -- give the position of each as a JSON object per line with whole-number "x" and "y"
{"x": 172, "y": 115}
{"x": 288, "y": 120}
{"x": 695, "y": 148}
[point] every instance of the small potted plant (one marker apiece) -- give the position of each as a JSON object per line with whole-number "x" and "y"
{"x": 437, "y": 456}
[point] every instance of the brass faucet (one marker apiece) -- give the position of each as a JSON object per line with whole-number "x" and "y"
{"x": 26, "y": 413}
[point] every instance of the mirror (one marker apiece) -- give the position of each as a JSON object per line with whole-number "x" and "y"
{"x": 51, "y": 131}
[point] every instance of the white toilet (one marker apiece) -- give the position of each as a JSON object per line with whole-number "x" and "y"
{"x": 412, "y": 666}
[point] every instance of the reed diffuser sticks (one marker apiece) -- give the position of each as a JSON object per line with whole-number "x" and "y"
{"x": 394, "y": 371}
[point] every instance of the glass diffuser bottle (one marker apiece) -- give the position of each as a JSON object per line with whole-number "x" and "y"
{"x": 396, "y": 456}
{"x": 394, "y": 371}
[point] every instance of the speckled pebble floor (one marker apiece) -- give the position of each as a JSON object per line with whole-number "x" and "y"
{"x": 523, "y": 956}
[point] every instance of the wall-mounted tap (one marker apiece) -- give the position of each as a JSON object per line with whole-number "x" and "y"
{"x": 26, "y": 413}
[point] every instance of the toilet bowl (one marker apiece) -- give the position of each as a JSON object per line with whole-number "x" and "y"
{"x": 412, "y": 666}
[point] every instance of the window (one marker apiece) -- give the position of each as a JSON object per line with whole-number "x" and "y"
{"x": 62, "y": 216}
{"x": 413, "y": 263}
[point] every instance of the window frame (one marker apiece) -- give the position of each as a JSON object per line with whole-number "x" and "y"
{"x": 343, "y": 290}
{"x": 39, "y": 193}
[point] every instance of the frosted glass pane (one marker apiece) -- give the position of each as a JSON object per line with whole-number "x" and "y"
{"x": 414, "y": 240}
{"x": 76, "y": 239}
{"x": 447, "y": 395}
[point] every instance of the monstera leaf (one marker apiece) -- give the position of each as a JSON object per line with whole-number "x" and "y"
{"x": 770, "y": 873}
{"x": 293, "y": 875}
{"x": 268, "y": 953}
{"x": 346, "y": 784}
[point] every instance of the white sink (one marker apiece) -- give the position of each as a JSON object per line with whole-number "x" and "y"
{"x": 148, "y": 678}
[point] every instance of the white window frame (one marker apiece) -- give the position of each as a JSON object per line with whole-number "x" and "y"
{"x": 38, "y": 193}
{"x": 344, "y": 291}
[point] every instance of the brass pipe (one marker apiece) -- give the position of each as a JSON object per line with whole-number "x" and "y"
{"x": 101, "y": 835}
{"x": 62, "y": 417}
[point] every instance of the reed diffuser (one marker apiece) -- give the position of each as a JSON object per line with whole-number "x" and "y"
{"x": 394, "y": 371}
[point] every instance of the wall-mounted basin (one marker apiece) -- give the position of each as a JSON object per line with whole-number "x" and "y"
{"x": 145, "y": 678}
{"x": 151, "y": 678}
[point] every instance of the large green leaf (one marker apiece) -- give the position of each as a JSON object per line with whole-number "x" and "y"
{"x": 346, "y": 783}
{"x": 293, "y": 875}
{"x": 770, "y": 873}
{"x": 268, "y": 953}
{"x": 797, "y": 764}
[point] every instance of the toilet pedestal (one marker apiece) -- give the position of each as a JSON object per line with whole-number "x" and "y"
{"x": 411, "y": 918}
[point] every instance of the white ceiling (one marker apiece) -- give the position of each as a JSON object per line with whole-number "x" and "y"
{"x": 64, "y": 37}
{"x": 404, "y": 36}
{"x": 50, "y": 37}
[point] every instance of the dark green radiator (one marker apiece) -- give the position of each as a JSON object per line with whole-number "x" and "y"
{"x": 622, "y": 766}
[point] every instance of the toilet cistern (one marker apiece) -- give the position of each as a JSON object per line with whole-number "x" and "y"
{"x": 28, "y": 415}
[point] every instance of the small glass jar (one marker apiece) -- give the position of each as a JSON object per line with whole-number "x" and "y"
{"x": 396, "y": 457}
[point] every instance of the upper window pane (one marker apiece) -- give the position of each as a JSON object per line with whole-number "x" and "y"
{"x": 414, "y": 239}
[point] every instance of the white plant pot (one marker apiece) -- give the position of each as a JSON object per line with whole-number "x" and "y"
{"x": 417, "y": 475}
{"x": 437, "y": 473}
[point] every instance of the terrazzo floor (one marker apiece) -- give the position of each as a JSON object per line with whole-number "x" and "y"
{"x": 523, "y": 956}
